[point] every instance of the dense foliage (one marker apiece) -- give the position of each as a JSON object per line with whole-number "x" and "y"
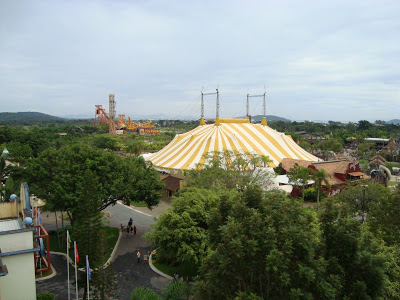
{"x": 248, "y": 243}
{"x": 58, "y": 176}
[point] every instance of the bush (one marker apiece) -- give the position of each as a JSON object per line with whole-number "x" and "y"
{"x": 45, "y": 296}
{"x": 311, "y": 194}
{"x": 142, "y": 293}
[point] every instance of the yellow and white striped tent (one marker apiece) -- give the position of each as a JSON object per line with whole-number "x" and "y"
{"x": 240, "y": 136}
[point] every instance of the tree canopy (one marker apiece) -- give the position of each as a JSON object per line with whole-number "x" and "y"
{"x": 57, "y": 176}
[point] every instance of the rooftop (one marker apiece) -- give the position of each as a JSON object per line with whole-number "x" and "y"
{"x": 8, "y": 225}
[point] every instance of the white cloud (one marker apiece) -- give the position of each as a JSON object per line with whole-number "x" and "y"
{"x": 315, "y": 57}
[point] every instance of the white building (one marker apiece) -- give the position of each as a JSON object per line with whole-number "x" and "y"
{"x": 17, "y": 248}
{"x": 17, "y": 254}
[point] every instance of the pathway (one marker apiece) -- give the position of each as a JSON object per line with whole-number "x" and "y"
{"x": 130, "y": 274}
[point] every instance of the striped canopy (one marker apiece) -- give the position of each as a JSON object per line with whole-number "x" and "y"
{"x": 240, "y": 136}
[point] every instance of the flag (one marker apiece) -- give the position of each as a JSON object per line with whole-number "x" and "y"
{"x": 37, "y": 212}
{"x": 88, "y": 270}
{"x": 76, "y": 254}
{"x": 40, "y": 218}
{"x": 68, "y": 240}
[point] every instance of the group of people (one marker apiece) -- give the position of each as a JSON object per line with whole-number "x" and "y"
{"x": 130, "y": 228}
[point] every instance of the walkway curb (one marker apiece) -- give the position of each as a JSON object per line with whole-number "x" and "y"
{"x": 158, "y": 271}
{"x": 163, "y": 274}
{"x": 138, "y": 211}
{"x": 111, "y": 258}
{"x": 114, "y": 250}
{"x": 48, "y": 277}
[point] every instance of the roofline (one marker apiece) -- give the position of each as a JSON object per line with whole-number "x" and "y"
{"x": 19, "y": 252}
{"x": 16, "y": 231}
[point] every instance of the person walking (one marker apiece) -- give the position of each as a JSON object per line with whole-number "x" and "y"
{"x": 138, "y": 256}
{"x": 134, "y": 230}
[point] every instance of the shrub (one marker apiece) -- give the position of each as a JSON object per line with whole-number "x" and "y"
{"x": 142, "y": 293}
{"x": 45, "y": 296}
{"x": 311, "y": 194}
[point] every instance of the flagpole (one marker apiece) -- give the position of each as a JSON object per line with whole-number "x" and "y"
{"x": 76, "y": 273}
{"x": 87, "y": 276}
{"x": 69, "y": 297}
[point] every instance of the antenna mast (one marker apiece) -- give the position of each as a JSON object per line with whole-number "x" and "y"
{"x": 202, "y": 105}
{"x": 248, "y": 107}
{"x": 217, "y": 114}
{"x": 264, "y": 104}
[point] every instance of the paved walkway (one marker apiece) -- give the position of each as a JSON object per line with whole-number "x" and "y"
{"x": 130, "y": 274}
{"x": 58, "y": 284}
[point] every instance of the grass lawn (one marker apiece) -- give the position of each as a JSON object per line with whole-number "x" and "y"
{"x": 183, "y": 269}
{"x": 139, "y": 204}
{"x": 44, "y": 274}
{"x": 111, "y": 234}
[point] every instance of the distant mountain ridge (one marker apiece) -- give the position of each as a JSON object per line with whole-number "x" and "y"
{"x": 258, "y": 118}
{"x": 33, "y": 117}
{"x": 27, "y": 116}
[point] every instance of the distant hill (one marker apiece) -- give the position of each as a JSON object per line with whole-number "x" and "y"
{"x": 27, "y": 116}
{"x": 258, "y": 118}
{"x": 394, "y": 121}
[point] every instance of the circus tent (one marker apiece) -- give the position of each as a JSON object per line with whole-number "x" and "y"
{"x": 239, "y": 136}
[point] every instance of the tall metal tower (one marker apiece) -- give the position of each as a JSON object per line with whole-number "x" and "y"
{"x": 264, "y": 104}
{"x": 202, "y": 104}
{"x": 111, "y": 113}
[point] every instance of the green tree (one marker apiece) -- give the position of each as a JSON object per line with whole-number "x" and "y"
{"x": 229, "y": 169}
{"x": 320, "y": 176}
{"x": 11, "y": 187}
{"x": 331, "y": 145}
{"x": 177, "y": 289}
{"x": 356, "y": 258}
{"x": 19, "y": 152}
{"x": 103, "y": 280}
{"x": 143, "y": 293}
{"x": 181, "y": 232}
{"x": 104, "y": 142}
{"x": 362, "y": 198}
{"x": 57, "y": 175}
{"x": 265, "y": 244}
{"x": 384, "y": 215}
{"x": 87, "y": 225}
{"x": 136, "y": 147}
{"x": 173, "y": 291}
{"x": 364, "y": 124}
{"x": 299, "y": 175}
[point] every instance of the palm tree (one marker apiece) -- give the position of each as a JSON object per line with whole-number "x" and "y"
{"x": 320, "y": 176}
{"x": 299, "y": 175}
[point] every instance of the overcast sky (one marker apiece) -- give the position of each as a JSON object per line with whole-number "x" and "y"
{"x": 319, "y": 60}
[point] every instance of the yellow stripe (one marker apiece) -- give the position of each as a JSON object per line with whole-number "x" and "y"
{"x": 231, "y": 143}
{"x": 194, "y": 155}
{"x": 272, "y": 140}
{"x": 305, "y": 155}
{"x": 203, "y": 158}
{"x": 241, "y": 144}
{"x": 265, "y": 146}
{"x": 169, "y": 151}
{"x": 184, "y": 151}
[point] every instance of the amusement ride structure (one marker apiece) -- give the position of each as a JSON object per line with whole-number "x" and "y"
{"x": 121, "y": 124}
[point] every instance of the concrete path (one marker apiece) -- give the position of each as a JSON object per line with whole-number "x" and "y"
{"x": 130, "y": 274}
{"x": 58, "y": 284}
